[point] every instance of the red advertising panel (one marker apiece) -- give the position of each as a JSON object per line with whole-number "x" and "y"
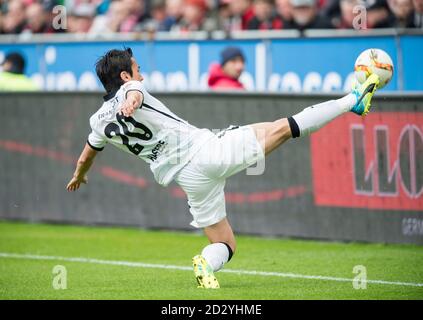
{"x": 375, "y": 162}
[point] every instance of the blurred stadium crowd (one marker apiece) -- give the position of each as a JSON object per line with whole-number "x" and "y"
{"x": 99, "y": 17}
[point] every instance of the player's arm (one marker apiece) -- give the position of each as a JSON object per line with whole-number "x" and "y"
{"x": 84, "y": 163}
{"x": 133, "y": 101}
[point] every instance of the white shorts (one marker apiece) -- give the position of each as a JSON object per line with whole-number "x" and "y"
{"x": 203, "y": 178}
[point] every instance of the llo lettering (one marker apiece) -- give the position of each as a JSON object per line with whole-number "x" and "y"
{"x": 381, "y": 178}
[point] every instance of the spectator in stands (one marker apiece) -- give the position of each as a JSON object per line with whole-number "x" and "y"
{"x": 37, "y": 19}
{"x": 158, "y": 16}
{"x": 321, "y": 3}
{"x": 376, "y": 12}
{"x": 111, "y": 21}
{"x": 284, "y": 10}
{"x": 265, "y": 17}
{"x": 224, "y": 16}
{"x": 242, "y": 11}
{"x": 137, "y": 17}
{"x": 81, "y": 18}
{"x": 35, "y": 16}
{"x": 193, "y": 16}
{"x": 418, "y": 13}
{"x": 347, "y": 15}
{"x": 14, "y": 21}
{"x": 226, "y": 74}
{"x": 305, "y": 15}
{"x": 12, "y": 78}
{"x": 102, "y": 6}
{"x": 174, "y": 9}
{"x": 401, "y": 14}
{"x": 2, "y": 18}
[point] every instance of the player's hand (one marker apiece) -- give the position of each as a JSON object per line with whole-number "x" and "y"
{"x": 75, "y": 183}
{"x": 129, "y": 106}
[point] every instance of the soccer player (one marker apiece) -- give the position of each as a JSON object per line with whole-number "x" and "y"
{"x": 134, "y": 121}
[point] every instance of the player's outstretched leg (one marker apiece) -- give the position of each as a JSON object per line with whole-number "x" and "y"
{"x": 215, "y": 255}
{"x": 272, "y": 134}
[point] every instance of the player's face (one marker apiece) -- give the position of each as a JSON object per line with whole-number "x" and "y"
{"x": 136, "y": 75}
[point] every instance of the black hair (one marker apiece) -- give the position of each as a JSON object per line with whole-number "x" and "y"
{"x": 109, "y": 67}
{"x": 17, "y": 62}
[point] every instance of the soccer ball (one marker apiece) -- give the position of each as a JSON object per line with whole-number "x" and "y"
{"x": 374, "y": 61}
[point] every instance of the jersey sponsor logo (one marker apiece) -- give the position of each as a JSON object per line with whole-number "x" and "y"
{"x": 157, "y": 150}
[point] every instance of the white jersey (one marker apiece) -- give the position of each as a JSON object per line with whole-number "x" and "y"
{"x": 153, "y": 133}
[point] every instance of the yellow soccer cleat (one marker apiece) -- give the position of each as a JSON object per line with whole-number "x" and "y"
{"x": 364, "y": 94}
{"x": 204, "y": 273}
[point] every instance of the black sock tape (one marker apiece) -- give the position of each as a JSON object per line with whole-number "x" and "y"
{"x": 231, "y": 253}
{"x": 295, "y": 130}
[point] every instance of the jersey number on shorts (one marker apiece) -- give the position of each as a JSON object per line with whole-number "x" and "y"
{"x": 112, "y": 129}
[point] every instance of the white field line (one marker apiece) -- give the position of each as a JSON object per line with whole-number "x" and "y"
{"x": 173, "y": 267}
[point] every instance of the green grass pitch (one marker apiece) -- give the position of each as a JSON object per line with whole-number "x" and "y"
{"x": 288, "y": 263}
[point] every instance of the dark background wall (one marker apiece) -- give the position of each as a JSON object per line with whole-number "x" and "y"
{"x": 329, "y": 186}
